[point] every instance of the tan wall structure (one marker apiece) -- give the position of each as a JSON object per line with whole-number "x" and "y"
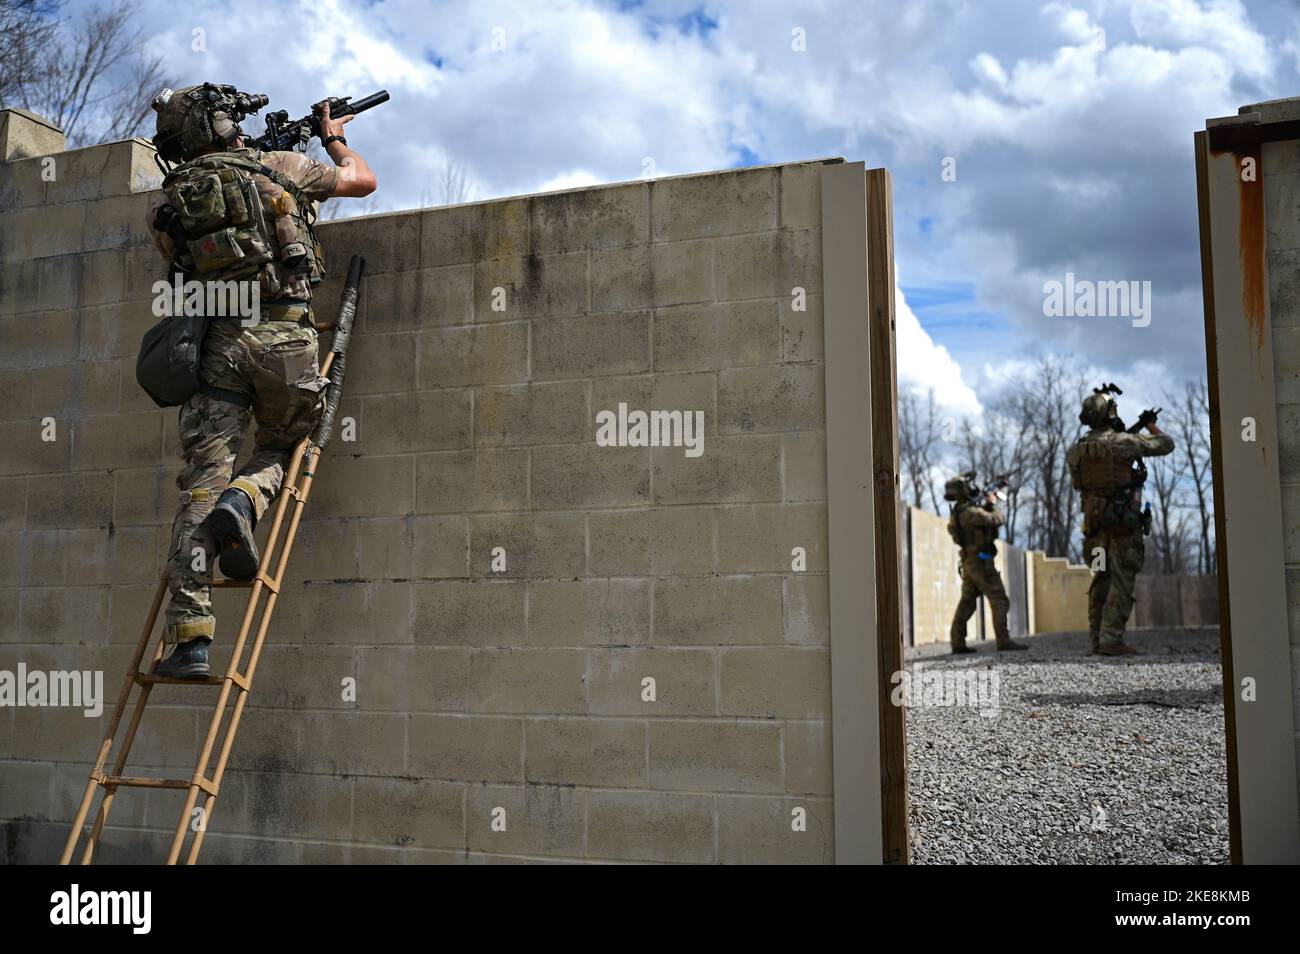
{"x": 1248, "y": 186}
{"x": 518, "y": 692}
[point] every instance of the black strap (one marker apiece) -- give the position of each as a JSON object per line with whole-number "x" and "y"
{"x": 237, "y": 398}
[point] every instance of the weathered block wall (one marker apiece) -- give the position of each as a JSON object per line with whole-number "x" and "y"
{"x": 476, "y": 690}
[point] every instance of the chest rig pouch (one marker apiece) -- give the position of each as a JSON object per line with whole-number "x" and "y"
{"x": 1111, "y": 489}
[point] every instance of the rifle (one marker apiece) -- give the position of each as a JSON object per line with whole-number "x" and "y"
{"x": 283, "y": 136}
{"x": 1146, "y": 417}
{"x": 996, "y": 486}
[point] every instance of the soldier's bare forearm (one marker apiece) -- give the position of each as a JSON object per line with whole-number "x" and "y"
{"x": 355, "y": 180}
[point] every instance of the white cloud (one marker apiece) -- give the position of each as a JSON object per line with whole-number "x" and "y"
{"x": 924, "y": 366}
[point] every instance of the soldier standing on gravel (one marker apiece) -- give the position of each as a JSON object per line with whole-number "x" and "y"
{"x": 1106, "y": 467}
{"x": 973, "y": 525}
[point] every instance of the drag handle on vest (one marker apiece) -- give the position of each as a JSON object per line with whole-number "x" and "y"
{"x": 339, "y": 346}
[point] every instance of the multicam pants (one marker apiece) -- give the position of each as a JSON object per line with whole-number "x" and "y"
{"x": 274, "y": 361}
{"x": 1110, "y": 597}
{"x": 980, "y": 577}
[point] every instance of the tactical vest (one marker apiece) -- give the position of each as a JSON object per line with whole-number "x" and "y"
{"x": 1111, "y": 500}
{"x": 983, "y": 539}
{"x": 231, "y": 217}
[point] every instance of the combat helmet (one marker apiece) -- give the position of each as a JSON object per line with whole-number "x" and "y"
{"x": 195, "y": 118}
{"x": 959, "y": 488}
{"x": 1099, "y": 406}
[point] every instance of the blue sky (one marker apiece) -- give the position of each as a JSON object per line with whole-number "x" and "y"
{"x": 1070, "y": 125}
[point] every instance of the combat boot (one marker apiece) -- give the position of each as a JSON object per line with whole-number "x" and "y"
{"x": 188, "y": 660}
{"x": 1116, "y": 649}
{"x": 1012, "y": 646}
{"x": 231, "y": 525}
{"x": 1094, "y": 641}
{"x": 961, "y": 649}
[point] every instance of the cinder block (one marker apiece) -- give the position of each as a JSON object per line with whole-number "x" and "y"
{"x": 296, "y": 806}
{"x": 411, "y": 679}
{"x": 688, "y": 393}
{"x": 38, "y": 341}
{"x": 59, "y": 281}
{"x": 761, "y": 831}
{"x": 27, "y": 451}
{"x": 551, "y": 681}
{"x": 128, "y": 607}
{"x": 288, "y": 678}
{"x": 589, "y": 613}
{"x": 718, "y": 611}
{"x": 685, "y": 682}
{"x": 352, "y": 613}
{"x": 103, "y": 278}
{"x": 786, "y": 398}
{"x": 801, "y": 195}
{"x": 365, "y": 487}
{"x": 112, "y": 222}
{"x": 117, "y": 555}
{"x": 531, "y": 414}
{"x": 474, "y": 232}
{"x": 476, "y": 354}
{"x": 145, "y": 267}
{"x": 378, "y": 363}
{"x": 802, "y": 331}
{"x": 648, "y": 826}
{"x": 807, "y": 610}
{"x": 69, "y": 785}
{"x": 604, "y": 752}
{"x": 466, "y": 481}
{"x": 326, "y": 550}
{"x": 469, "y": 614}
{"x": 1282, "y": 210}
{"x": 665, "y": 541}
{"x": 744, "y": 468}
{"x": 529, "y": 819}
{"x": 146, "y": 496}
{"x": 13, "y": 503}
{"x": 414, "y": 547}
{"x": 514, "y": 288}
{"x": 424, "y": 298}
{"x": 106, "y": 442}
{"x": 591, "y": 345}
{"x": 581, "y": 476}
{"x": 426, "y": 420}
{"x": 41, "y": 558}
{"x": 19, "y": 288}
{"x": 536, "y": 545}
{"x": 21, "y": 184}
{"x": 808, "y": 758}
{"x": 767, "y": 265}
{"x": 681, "y": 272}
{"x": 591, "y": 218}
{"x": 388, "y": 243}
{"x": 762, "y": 538}
{"x": 409, "y": 812}
{"x": 354, "y": 743}
{"x": 69, "y": 500}
{"x": 721, "y": 203}
{"x": 803, "y": 455}
{"x": 712, "y": 336}
{"x": 113, "y": 331}
{"x": 1283, "y": 283}
{"x": 10, "y": 597}
{"x": 41, "y": 231}
{"x": 469, "y": 748}
{"x": 16, "y": 393}
{"x": 708, "y": 756}
{"x": 776, "y": 683}
{"x": 75, "y": 390}
{"x": 13, "y": 550}
{"x": 622, "y": 279}
{"x": 28, "y": 788}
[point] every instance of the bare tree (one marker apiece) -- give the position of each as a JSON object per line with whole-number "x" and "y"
{"x": 919, "y": 432}
{"x": 94, "y": 81}
{"x": 27, "y": 29}
{"x": 1169, "y": 536}
{"x": 1189, "y": 423}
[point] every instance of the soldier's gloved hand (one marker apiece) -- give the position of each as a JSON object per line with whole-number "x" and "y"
{"x": 1149, "y": 416}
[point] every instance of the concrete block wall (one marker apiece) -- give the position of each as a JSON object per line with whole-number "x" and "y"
{"x": 1060, "y": 594}
{"x": 479, "y": 694}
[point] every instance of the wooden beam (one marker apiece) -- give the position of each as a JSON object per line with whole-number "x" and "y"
{"x": 885, "y": 479}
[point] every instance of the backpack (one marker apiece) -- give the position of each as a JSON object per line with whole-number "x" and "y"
{"x": 170, "y": 353}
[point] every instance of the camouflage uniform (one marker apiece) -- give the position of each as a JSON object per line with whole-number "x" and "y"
{"x": 975, "y": 529}
{"x": 1101, "y": 468}
{"x": 274, "y": 362}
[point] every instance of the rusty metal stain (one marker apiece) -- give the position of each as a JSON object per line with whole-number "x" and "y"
{"x": 1252, "y": 244}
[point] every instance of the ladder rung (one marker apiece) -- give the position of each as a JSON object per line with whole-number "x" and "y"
{"x": 112, "y": 781}
{"x": 245, "y": 584}
{"x": 148, "y": 679}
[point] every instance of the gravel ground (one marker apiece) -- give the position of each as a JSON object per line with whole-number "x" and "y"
{"x": 1089, "y": 760}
